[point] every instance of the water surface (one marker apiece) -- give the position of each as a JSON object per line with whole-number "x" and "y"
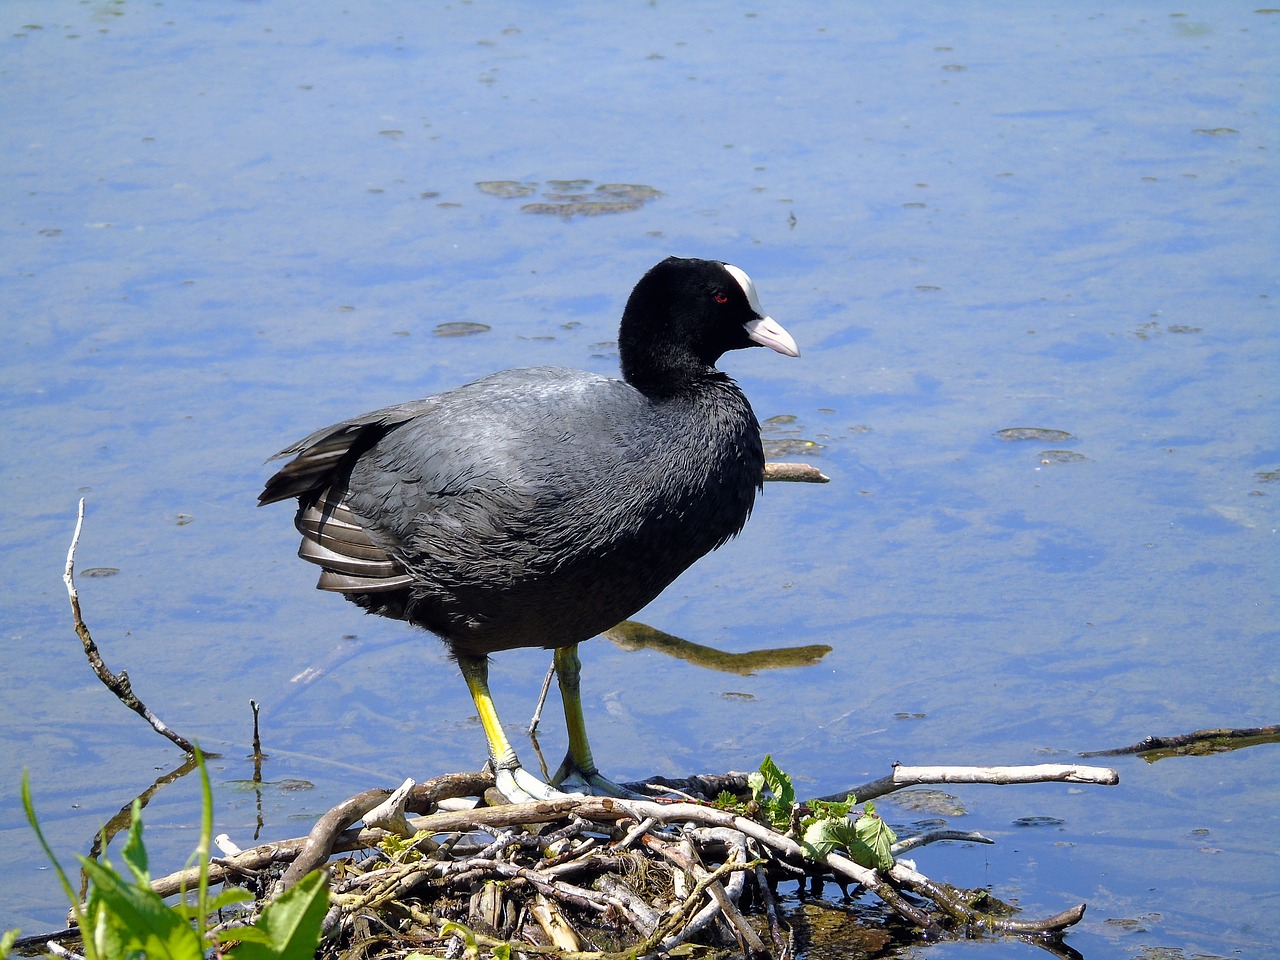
{"x": 228, "y": 224}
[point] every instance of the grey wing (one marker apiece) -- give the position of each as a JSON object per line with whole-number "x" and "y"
{"x": 333, "y": 536}
{"x": 328, "y": 452}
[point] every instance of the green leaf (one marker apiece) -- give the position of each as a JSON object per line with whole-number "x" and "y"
{"x": 773, "y": 793}
{"x": 831, "y": 809}
{"x": 868, "y": 840}
{"x": 823, "y": 836}
{"x": 126, "y": 919}
{"x": 72, "y": 896}
{"x": 779, "y": 783}
{"x": 229, "y": 896}
{"x": 243, "y": 935}
{"x": 7, "y": 940}
{"x": 471, "y": 949}
{"x": 134, "y": 853}
{"x": 291, "y": 922}
{"x": 206, "y": 838}
{"x": 875, "y": 838}
{"x": 403, "y": 849}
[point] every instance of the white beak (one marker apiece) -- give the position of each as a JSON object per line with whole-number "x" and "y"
{"x": 767, "y": 332}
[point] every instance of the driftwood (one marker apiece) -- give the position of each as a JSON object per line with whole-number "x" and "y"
{"x": 904, "y": 776}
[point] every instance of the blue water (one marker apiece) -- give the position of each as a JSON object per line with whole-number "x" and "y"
{"x": 227, "y": 224}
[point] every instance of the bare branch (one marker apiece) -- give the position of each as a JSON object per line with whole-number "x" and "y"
{"x": 117, "y": 684}
{"x": 1037, "y": 773}
{"x": 795, "y": 473}
{"x": 934, "y": 836}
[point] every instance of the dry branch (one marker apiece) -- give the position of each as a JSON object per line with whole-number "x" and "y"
{"x": 903, "y": 776}
{"x": 794, "y": 472}
{"x": 117, "y": 683}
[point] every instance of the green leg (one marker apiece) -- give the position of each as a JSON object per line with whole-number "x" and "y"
{"x": 569, "y": 674}
{"x": 578, "y": 761}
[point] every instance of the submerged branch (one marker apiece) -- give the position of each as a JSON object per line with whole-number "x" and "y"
{"x": 1199, "y": 743}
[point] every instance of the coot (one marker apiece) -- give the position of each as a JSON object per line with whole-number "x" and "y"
{"x": 538, "y": 507}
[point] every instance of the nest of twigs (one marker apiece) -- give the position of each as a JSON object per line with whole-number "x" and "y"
{"x": 597, "y": 877}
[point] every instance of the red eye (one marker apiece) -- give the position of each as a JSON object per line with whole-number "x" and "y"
{"x": 722, "y": 298}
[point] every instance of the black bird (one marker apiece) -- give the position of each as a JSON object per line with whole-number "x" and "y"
{"x": 538, "y": 507}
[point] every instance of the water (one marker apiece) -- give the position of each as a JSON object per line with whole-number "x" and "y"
{"x": 229, "y": 224}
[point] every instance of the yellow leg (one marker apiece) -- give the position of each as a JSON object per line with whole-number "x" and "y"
{"x": 475, "y": 670}
{"x": 514, "y": 782}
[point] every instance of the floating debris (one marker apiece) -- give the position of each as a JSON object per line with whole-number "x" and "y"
{"x": 580, "y": 208}
{"x": 1034, "y": 433}
{"x": 777, "y": 449}
{"x": 574, "y": 198}
{"x": 936, "y": 802}
{"x": 1062, "y": 456}
{"x": 782, "y": 437}
{"x": 460, "y": 328}
{"x": 1039, "y": 822}
{"x": 507, "y": 189}
{"x": 1152, "y": 328}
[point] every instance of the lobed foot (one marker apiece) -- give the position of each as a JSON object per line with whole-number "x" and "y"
{"x": 518, "y": 785}
{"x": 593, "y": 782}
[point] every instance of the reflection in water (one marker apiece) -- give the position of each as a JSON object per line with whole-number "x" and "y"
{"x": 1201, "y": 743}
{"x": 630, "y": 635}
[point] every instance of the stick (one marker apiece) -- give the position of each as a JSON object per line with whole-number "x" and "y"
{"x": 933, "y": 836}
{"x": 795, "y": 472}
{"x": 319, "y": 844}
{"x": 780, "y": 941}
{"x": 542, "y": 699}
{"x": 119, "y": 685}
{"x": 1037, "y": 773}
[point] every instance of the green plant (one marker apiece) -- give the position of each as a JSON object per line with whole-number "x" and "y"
{"x": 123, "y": 917}
{"x": 826, "y": 826}
{"x": 470, "y": 945}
